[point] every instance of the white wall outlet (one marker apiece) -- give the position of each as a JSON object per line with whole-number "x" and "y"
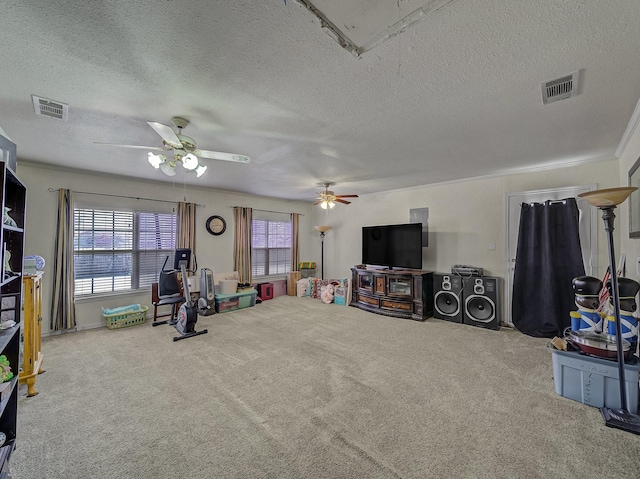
{"x": 492, "y": 247}
{"x": 638, "y": 266}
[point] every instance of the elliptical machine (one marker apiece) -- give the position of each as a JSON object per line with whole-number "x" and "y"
{"x": 187, "y": 314}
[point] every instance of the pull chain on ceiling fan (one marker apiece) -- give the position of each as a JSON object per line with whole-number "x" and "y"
{"x": 328, "y": 199}
{"x": 184, "y": 150}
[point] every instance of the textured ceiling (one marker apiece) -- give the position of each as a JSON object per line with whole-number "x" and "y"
{"x": 456, "y": 95}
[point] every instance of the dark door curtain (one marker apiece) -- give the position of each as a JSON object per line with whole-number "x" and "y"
{"x": 548, "y": 258}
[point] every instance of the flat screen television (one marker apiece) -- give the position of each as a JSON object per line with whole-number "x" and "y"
{"x": 393, "y": 246}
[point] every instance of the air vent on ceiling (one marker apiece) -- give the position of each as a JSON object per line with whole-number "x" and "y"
{"x": 50, "y": 108}
{"x": 560, "y": 88}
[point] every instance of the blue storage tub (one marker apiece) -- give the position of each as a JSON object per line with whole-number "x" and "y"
{"x": 594, "y": 381}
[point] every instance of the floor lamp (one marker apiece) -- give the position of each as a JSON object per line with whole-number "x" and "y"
{"x": 322, "y": 229}
{"x": 607, "y": 200}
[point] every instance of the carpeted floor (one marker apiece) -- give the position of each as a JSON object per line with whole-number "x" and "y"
{"x": 294, "y": 388}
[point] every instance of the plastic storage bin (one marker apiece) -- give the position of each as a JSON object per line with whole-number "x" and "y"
{"x": 265, "y": 290}
{"x": 231, "y": 302}
{"x": 594, "y": 381}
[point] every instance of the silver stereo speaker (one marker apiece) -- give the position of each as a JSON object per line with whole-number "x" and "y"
{"x": 447, "y": 297}
{"x": 481, "y": 305}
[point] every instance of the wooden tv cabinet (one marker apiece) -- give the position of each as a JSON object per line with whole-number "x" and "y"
{"x": 399, "y": 293}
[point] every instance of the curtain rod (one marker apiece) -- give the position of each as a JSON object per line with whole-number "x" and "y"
{"x": 122, "y": 196}
{"x": 267, "y": 211}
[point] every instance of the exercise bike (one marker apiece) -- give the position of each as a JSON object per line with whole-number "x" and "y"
{"x": 187, "y": 316}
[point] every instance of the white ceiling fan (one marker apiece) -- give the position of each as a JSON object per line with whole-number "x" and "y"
{"x": 328, "y": 198}
{"x": 183, "y": 148}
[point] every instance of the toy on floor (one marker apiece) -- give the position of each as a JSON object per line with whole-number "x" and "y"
{"x": 587, "y": 292}
{"x": 628, "y": 289}
{"x": 327, "y": 293}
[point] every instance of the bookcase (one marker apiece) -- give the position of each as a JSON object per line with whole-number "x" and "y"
{"x": 13, "y": 195}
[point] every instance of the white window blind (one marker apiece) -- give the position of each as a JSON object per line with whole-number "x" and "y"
{"x": 117, "y": 251}
{"x": 270, "y": 247}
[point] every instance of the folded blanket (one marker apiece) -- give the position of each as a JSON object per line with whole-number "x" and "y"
{"x": 121, "y": 309}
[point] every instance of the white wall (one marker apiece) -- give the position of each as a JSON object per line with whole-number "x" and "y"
{"x": 215, "y": 252}
{"x": 631, "y": 153}
{"x": 464, "y": 217}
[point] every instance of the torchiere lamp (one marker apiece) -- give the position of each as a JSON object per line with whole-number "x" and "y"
{"x": 322, "y": 229}
{"x": 607, "y": 200}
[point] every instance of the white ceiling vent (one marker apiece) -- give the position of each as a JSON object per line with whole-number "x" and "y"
{"x": 560, "y": 88}
{"x": 50, "y": 108}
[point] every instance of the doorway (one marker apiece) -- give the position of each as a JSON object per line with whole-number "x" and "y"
{"x": 587, "y": 224}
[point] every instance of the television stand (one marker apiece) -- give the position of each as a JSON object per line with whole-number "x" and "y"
{"x": 398, "y": 293}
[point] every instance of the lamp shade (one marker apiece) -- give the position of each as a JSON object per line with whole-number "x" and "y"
{"x": 200, "y": 170}
{"x": 156, "y": 160}
{"x": 168, "y": 169}
{"x": 322, "y": 228}
{"x": 608, "y": 196}
{"x": 190, "y": 162}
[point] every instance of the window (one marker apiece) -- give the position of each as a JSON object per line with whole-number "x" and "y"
{"x": 270, "y": 247}
{"x": 118, "y": 251}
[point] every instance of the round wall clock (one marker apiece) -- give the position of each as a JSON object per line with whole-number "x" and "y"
{"x": 216, "y": 225}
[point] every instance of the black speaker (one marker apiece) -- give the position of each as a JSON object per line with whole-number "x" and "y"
{"x": 447, "y": 297}
{"x": 481, "y": 305}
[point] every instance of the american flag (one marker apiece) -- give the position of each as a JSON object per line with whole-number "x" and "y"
{"x": 604, "y": 292}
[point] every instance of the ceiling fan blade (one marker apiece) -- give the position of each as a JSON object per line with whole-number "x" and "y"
{"x": 346, "y": 196}
{"x": 317, "y": 202}
{"x": 155, "y": 148}
{"x": 338, "y": 200}
{"x": 166, "y": 133}
{"x": 218, "y": 155}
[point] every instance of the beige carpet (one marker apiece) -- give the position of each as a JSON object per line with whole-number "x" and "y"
{"x": 293, "y": 388}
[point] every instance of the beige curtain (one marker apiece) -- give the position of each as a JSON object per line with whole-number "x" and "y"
{"x": 295, "y": 244}
{"x": 186, "y": 237}
{"x": 242, "y": 243}
{"x": 63, "y": 309}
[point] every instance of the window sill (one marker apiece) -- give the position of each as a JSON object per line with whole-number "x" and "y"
{"x": 266, "y": 279}
{"x": 101, "y": 296}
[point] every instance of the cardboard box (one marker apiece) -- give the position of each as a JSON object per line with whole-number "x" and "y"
{"x": 294, "y": 277}
{"x": 302, "y": 287}
{"x": 307, "y": 272}
{"x": 340, "y": 295}
{"x": 279, "y": 287}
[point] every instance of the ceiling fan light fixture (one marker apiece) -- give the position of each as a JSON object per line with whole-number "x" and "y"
{"x": 190, "y": 162}
{"x": 168, "y": 168}
{"x": 200, "y": 170}
{"x": 156, "y": 160}
{"x": 327, "y": 204}
{"x": 183, "y": 147}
